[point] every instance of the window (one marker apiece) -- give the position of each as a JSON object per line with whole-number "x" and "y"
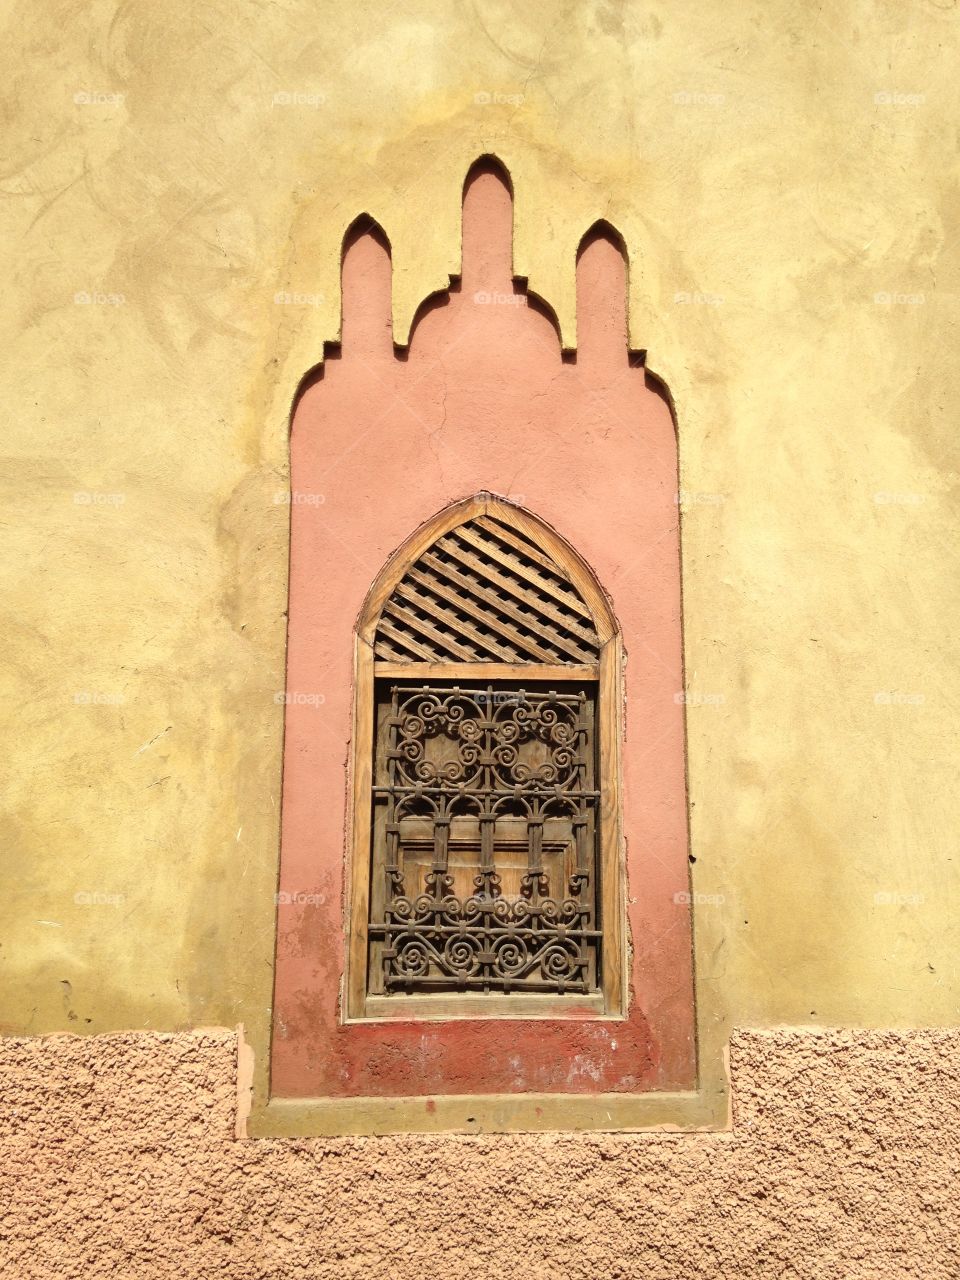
{"x": 486, "y": 828}
{"x": 481, "y": 925}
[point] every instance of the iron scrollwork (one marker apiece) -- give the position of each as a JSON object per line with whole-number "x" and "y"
{"x": 497, "y": 758}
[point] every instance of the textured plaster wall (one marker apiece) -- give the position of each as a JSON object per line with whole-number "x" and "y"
{"x": 483, "y": 402}
{"x": 785, "y": 178}
{"x": 118, "y": 1158}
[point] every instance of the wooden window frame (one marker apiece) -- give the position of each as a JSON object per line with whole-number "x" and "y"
{"x": 356, "y": 1004}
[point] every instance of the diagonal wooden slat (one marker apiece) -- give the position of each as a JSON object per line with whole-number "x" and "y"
{"x": 543, "y": 585}
{"x": 528, "y": 645}
{"x": 542, "y": 632}
{"x": 519, "y": 543}
{"x": 483, "y": 592}
{"x": 428, "y": 633}
{"x": 407, "y": 642}
{"x": 489, "y": 645}
{"x": 523, "y": 608}
{"x": 571, "y": 631}
{"x": 386, "y": 651}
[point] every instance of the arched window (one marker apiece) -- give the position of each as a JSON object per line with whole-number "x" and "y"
{"x": 472, "y": 906}
{"x": 486, "y": 864}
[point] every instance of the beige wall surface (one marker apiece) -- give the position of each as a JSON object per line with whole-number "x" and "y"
{"x": 177, "y": 180}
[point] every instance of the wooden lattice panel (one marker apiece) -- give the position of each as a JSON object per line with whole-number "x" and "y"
{"x": 486, "y": 593}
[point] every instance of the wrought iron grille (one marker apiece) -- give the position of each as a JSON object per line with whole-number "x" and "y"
{"x": 485, "y": 824}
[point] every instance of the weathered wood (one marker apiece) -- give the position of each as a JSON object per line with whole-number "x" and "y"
{"x": 404, "y": 640}
{"x": 540, "y": 582}
{"x": 465, "y": 672}
{"x": 581, "y": 649}
{"x": 452, "y": 614}
{"x": 499, "y": 601}
{"x": 518, "y": 641}
{"x": 482, "y": 587}
{"x": 430, "y": 637}
{"x": 441, "y": 1008}
{"x": 520, "y": 543}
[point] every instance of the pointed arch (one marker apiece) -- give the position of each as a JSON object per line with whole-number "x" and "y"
{"x": 364, "y": 224}
{"x": 492, "y": 520}
{"x": 601, "y": 229}
{"x": 486, "y": 606}
{"x": 488, "y": 162}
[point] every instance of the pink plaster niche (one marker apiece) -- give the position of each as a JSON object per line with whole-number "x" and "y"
{"x": 482, "y": 400}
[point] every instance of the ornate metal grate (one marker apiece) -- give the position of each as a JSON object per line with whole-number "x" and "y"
{"x": 485, "y": 815}
{"x": 485, "y": 592}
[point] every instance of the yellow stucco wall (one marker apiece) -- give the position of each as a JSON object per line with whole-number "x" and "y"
{"x": 777, "y": 169}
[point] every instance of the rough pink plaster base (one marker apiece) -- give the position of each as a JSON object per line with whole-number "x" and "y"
{"x": 118, "y": 1158}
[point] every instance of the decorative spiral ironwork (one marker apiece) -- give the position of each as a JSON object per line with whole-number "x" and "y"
{"x": 487, "y": 757}
{"x": 464, "y": 721}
